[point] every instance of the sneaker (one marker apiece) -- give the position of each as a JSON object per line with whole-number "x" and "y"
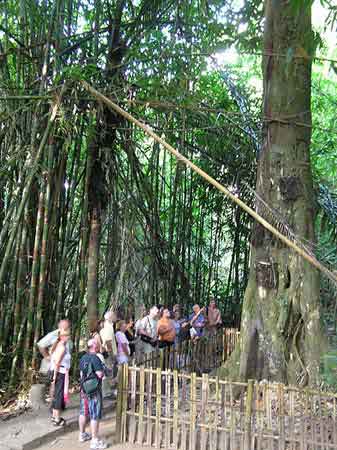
{"x": 96, "y": 444}
{"x": 83, "y": 437}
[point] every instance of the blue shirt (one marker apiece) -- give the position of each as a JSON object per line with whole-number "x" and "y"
{"x": 198, "y": 324}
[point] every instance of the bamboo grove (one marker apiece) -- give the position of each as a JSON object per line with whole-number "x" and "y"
{"x": 92, "y": 213}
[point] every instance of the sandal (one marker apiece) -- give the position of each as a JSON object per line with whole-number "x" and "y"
{"x": 58, "y": 423}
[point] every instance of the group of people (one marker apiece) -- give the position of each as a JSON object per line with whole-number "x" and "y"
{"x": 113, "y": 342}
{"x": 163, "y": 327}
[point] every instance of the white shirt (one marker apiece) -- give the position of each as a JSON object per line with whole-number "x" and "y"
{"x": 148, "y": 325}
{"x": 64, "y": 363}
{"x": 49, "y": 339}
{"x": 107, "y": 334}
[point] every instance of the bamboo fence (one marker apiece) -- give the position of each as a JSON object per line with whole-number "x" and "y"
{"x": 174, "y": 410}
{"x": 199, "y": 356}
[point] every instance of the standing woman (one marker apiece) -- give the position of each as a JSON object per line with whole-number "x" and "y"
{"x": 60, "y": 365}
{"x": 123, "y": 347}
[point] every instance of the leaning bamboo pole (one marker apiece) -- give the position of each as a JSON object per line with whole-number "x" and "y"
{"x": 304, "y": 254}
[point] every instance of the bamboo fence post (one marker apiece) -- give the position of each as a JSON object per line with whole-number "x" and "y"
{"x": 204, "y": 401}
{"x": 132, "y": 420}
{"x": 334, "y": 425}
{"x": 248, "y": 416}
{"x": 224, "y": 346}
{"x": 125, "y": 400}
{"x": 158, "y": 408}
{"x": 141, "y": 406}
{"x": 175, "y": 409}
{"x": 149, "y": 409}
{"x": 280, "y": 395}
{"x": 161, "y": 359}
{"x": 119, "y": 410}
{"x": 213, "y": 443}
{"x": 193, "y": 411}
{"x": 183, "y": 405}
{"x": 167, "y": 439}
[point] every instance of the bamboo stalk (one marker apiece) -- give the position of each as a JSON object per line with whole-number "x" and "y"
{"x": 28, "y": 184}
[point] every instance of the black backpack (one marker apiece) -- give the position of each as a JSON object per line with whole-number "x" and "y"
{"x": 90, "y": 382}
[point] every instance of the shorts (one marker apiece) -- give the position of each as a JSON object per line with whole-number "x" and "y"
{"x": 91, "y": 406}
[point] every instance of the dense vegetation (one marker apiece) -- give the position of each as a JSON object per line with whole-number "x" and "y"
{"x": 92, "y": 212}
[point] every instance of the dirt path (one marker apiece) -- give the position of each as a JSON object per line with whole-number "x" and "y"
{"x": 69, "y": 441}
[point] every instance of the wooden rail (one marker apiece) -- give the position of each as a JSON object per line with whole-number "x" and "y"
{"x": 174, "y": 410}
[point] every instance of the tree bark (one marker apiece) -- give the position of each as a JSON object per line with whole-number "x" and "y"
{"x": 280, "y": 320}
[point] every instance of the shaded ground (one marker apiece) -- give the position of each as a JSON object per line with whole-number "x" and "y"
{"x": 33, "y": 428}
{"x": 69, "y": 441}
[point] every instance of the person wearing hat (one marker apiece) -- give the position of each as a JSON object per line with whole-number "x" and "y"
{"x": 60, "y": 360}
{"x": 45, "y": 344}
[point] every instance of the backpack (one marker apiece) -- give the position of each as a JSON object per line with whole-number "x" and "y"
{"x": 90, "y": 382}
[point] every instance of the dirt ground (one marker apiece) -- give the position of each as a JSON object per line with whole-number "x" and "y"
{"x": 69, "y": 441}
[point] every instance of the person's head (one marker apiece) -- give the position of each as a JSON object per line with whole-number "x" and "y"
{"x": 166, "y": 314}
{"x": 130, "y": 322}
{"x": 212, "y": 303}
{"x": 177, "y": 314}
{"x": 110, "y": 316}
{"x": 93, "y": 346}
{"x": 121, "y": 326}
{"x": 64, "y": 335}
{"x": 64, "y": 324}
{"x": 154, "y": 312}
{"x": 196, "y": 309}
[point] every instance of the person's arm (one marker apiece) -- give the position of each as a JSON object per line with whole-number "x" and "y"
{"x": 44, "y": 352}
{"x": 98, "y": 367}
{"x": 44, "y": 344}
{"x": 218, "y": 320}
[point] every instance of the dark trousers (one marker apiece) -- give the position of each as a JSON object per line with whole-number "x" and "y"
{"x": 58, "y": 398}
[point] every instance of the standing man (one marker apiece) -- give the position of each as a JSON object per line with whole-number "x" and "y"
{"x": 108, "y": 338}
{"x": 45, "y": 344}
{"x": 166, "y": 329}
{"x": 214, "y": 320}
{"x": 91, "y": 406}
{"x": 147, "y": 330}
{"x": 198, "y": 322}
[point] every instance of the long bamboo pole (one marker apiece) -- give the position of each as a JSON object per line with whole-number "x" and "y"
{"x": 313, "y": 261}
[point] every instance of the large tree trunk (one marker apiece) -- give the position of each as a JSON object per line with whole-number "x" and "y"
{"x": 280, "y": 319}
